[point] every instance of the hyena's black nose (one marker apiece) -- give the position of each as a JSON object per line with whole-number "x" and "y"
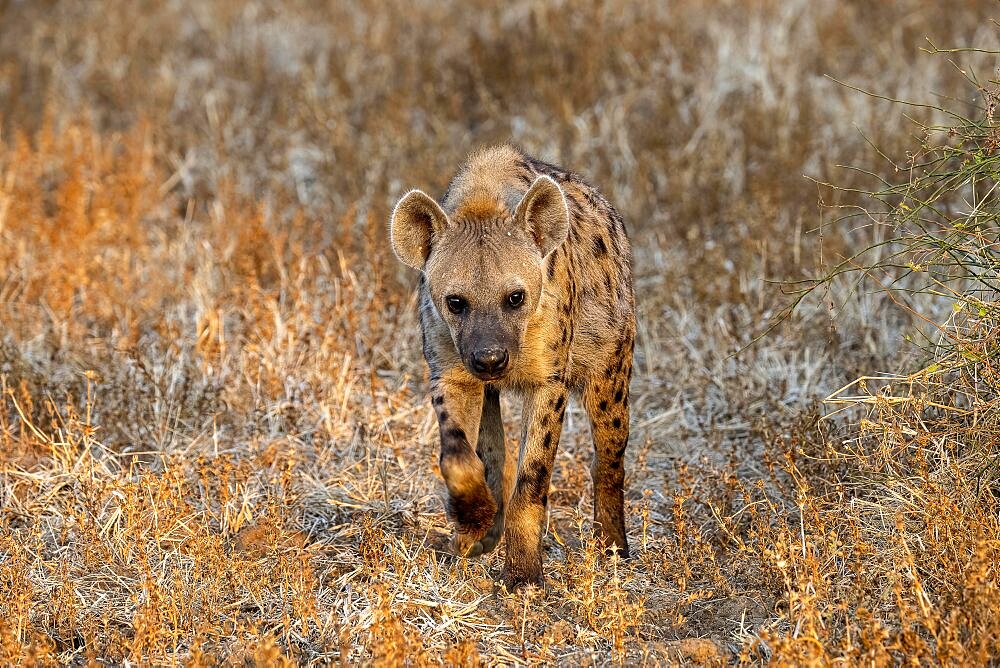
{"x": 489, "y": 361}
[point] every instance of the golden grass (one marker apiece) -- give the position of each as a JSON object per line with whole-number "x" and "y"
{"x": 216, "y": 445}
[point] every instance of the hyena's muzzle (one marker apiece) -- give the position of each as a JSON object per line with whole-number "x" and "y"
{"x": 487, "y": 348}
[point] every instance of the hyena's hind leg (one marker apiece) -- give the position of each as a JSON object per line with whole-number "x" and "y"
{"x": 491, "y": 449}
{"x": 606, "y": 399}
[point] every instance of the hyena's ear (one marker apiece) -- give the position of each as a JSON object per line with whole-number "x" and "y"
{"x": 416, "y": 218}
{"x": 544, "y": 214}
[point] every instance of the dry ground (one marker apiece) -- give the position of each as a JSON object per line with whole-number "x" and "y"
{"x": 216, "y": 444}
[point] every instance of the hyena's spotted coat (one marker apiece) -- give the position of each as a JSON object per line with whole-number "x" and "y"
{"x": 526, "y": 288}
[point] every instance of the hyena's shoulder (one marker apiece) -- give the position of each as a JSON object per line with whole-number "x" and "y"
{"x": 588, "y": 207}
{"x": 597, "y": 231}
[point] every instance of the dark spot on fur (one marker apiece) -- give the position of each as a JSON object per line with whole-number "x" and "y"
{"x": 443, "y": 417}
{"x": 560, "y": 402}
{"x": 545, "y": 499}
{"x": 541, "y": 480}
{"x": 616, "y": 423}
{"x": 438, "y": 400}
{"x": 457, "y": 433}
{"x": 618, "y": 395}
{"x": 534, "y": 484}
{"x": 614, "y": 464}
{"x": 548, "y": 440}
{"x": 603, "y": 405}
{"x": 600, "y": 248}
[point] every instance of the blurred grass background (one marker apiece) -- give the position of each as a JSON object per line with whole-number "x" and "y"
{"x": 216, "y": 444}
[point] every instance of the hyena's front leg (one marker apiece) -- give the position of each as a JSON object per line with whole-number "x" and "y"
{"x": 543, "y": 419}
{"x": 492, "y": 451}
{"x": 470, "y": 503}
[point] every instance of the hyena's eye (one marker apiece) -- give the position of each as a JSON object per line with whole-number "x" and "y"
{"x": 516, "y": 298}
{"x": 456, "y": 304}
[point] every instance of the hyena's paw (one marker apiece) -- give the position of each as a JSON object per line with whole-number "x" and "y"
{"x": 473, "y": 514}
{"x": 517, "y": 578}
{"x": 469, "y": 546}
{"x": 492, "y": 538}
{"x": 521, "y": 567}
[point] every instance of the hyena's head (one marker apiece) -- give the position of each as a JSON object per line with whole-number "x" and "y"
{"x": 484, "y": 267}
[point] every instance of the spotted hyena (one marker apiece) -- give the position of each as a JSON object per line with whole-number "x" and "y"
{"x": 526, "y": 288}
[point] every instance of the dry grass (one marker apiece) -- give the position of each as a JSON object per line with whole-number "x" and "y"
{"x": 216, "y": 442}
